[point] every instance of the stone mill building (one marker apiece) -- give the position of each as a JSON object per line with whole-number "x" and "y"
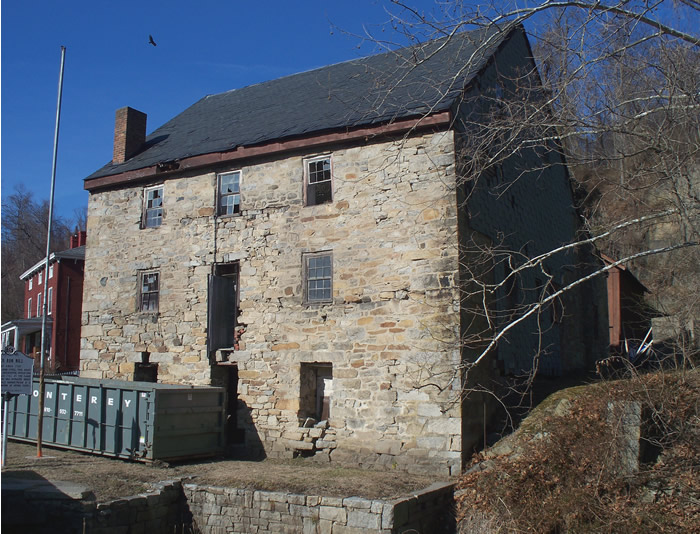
{"x": 303, "y": 242}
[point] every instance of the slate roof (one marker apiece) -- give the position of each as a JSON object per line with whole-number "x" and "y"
{"x": 409, "y": 82}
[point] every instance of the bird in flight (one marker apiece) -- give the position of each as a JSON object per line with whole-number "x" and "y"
{"x": 151, "y": 41}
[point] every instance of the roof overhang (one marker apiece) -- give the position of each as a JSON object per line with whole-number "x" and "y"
{"x": 77, "y": 254}
{"x": 441, "y": 120}
{"x": 37, "y": 266}
{"x": 26, "y": 326}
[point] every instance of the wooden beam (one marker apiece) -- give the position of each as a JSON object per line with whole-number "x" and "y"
{"x": 437, "y": 120}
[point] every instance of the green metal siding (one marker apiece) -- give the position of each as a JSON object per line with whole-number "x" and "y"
{"x": 137, "y": 420}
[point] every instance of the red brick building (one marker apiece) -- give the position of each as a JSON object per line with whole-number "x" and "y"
{"x": 64, "y": 292}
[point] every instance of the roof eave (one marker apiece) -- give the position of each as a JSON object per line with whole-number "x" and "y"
{"x": 440, "y": 120}
{"x": 34, "y": 268}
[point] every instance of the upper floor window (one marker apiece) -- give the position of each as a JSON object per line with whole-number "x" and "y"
{"x": 318, "y": 188}
{"x": 38, "y": 306}
{"x": 49, "y": 301}
{"x": 318, "y": 277}
{"x": 41, "y": 278}
{"x": 149, "y": 291}
{"x": 50, "y": 271}
{"x": 152, "y": 206}
{"x": 29, "y": 308}
{"x": 31, "y": 282}
{"x": 229, "y": 192}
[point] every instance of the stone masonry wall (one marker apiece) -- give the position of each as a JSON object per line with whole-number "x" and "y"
{"x": 46, "y": 510}
{"x": 222, "y": 510}
{"x": 391, "y": 329}
{"x": 174, "y": 508}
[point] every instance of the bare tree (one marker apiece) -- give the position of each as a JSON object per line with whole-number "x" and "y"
{"x": 24, "y": 223}
{"x": 616, "y": 100}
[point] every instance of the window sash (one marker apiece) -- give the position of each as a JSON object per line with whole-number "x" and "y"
{"x": 150, "y": 291}
{"x": 229, "y": 193}
{"x": 319, "y": 278}
{"x": 153, "y": 207}
{"x": 318, "y": 183}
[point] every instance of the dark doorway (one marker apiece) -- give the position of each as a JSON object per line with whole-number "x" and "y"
{"x": 316, "y": 389}
{"x": 223, "y": 306}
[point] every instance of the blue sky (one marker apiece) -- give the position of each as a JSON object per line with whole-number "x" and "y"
{"x": 204, "y": 47}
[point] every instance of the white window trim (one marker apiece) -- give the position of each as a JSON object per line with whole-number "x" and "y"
{"x": 307, "y": 162}
{"x": 218, "y": 193}
{"x": 31, "y": 283}
{"x": 49, "y": 299}
{"x": 29, "y": 308}
{"x": 51, "y": 271}
{"x": 41, "y": 278}
{"x": 38, "y": 305}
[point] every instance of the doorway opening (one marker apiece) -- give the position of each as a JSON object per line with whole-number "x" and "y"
{"x": 223, "y": 307}
{"x": 316, "y": 388}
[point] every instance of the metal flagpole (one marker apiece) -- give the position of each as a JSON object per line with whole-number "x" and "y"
{"x": 44, "y": 314}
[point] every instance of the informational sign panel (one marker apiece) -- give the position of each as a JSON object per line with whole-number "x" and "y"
{"x": 17, "y": 372}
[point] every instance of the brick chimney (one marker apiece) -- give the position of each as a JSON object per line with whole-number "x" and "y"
{"x": 129, "y": 133}
{"x": 78, "y": 239}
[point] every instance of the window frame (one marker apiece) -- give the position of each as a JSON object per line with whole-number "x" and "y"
{"x": 220, "y": 196}
{"x": 307, "y": 175}
{"x": 31, "y": 282}
{"x": 145, "y": 208}
{"x": 40, "y": 279}
{"x": 51, "y": 271}
{"x": 38, "y": 305}
{"x": 29, "y": 308}
{"x": 49, "y": 301}
{"x": 143, "y": 293}
{"x": 306, "y": 257}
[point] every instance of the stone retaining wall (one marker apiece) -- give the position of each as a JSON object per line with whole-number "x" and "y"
{"x": 47, "y": 510}
{"x": 224, "y": 510}
{"x": 176, "y": 509}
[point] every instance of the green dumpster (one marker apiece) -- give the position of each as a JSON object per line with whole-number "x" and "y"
{"x": 136, "y": 420}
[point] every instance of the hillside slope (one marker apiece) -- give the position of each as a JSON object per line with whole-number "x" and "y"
{"x": 620, "y": 457}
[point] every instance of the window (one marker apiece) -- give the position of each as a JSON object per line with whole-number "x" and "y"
{"x": 31, "y": 282}
{"x": 29, "y": 309}
{"x": 229, "y": 190}
{"x": 318, "y": 277}
{"x": 50, "y": 271}
{"x": 49, "y": 302}
{"x": 153, "y": 206}
{"x": 150, "y": 290}
{"x": 41, "y": 276}
{"x": 38, "y": 305}
{"x": 318, "y": 187}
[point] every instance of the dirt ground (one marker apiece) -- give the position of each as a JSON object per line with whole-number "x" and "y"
{"x": 110, "y": 478}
